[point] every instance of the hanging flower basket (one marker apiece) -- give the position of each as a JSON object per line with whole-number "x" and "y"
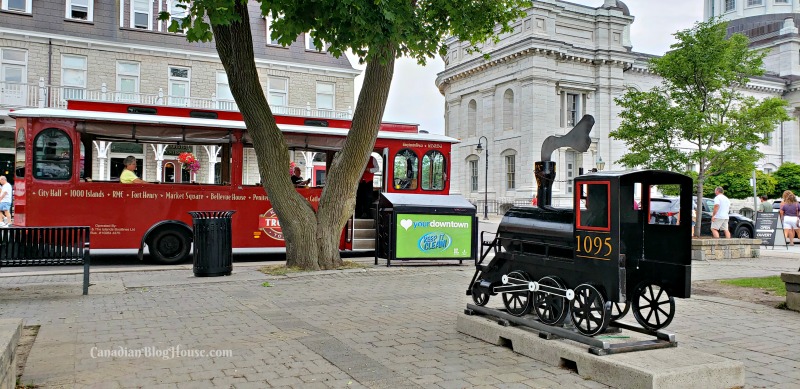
{"x": 189, "y": 162}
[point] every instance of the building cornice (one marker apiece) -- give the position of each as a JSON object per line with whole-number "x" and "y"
{"x": 523, "y": 48}
{"x": 36, "y": 37}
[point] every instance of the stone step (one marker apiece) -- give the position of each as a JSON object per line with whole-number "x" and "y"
{"x": 364, "y": 244}
{"x": 364, "y": 224}
{"x": 364, "y": 234}
{"x": 10, "y": 332}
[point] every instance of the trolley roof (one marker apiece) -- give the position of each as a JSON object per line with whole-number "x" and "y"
{"x": 170, "y": 128}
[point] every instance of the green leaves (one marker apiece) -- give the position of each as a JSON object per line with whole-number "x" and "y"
{"x": 372, "y": 29}
{"x": 699, "y": 115}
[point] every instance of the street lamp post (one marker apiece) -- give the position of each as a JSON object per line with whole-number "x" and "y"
{"x": 479, "y": 148}
{"x": 600, "y": 163}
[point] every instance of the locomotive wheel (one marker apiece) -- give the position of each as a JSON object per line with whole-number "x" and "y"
{"x": 619, "y": 310}
{"x": 480, "y": 298}
{"x": 550, "y": 309}
{"x": 653, "y": 306}
{"x": 588, "y": 310}
{"x": 518, "y": 303}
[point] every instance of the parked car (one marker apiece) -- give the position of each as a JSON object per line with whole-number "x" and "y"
{"x": 665, "y": 210}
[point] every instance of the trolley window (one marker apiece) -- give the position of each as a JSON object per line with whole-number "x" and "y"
{"x": 405, "y": 170}
{"x": 19, "y": 164}
{"x": 433, "y": 174}
{"x": 593, "y": 205}
{"x": 52, "y": 155}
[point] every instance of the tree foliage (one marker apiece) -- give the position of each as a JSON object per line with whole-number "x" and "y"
{"x": 698, "y": 116}
{"x": 378, "y": 32}
{"x": 737, "y": 186}
{"x": 787, "y": 177}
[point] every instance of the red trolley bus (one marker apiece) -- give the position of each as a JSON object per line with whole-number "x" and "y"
{"x": 67, "y": 169}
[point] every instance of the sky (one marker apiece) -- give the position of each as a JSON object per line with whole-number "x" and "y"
{"x": 414, "y": 98}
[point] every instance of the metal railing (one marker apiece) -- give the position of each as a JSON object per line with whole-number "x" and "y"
{"x": 27, "y": 95}
{"x": 499, "y": 206}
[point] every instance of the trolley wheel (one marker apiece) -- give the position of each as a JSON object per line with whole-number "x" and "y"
{"x": 589, "y": 313}
{"x": 518, "y": 303}
{"x": 619, "y": 310}
{"x": 653, "y": 306}
{"x": 479, "y": 297}
{"x": 169, "y": 246}
{"x": 551, "y": 309}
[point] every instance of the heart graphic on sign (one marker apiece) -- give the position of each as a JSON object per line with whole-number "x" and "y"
{"x": 406, "y": 223}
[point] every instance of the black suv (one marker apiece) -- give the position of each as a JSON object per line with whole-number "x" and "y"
{"x": 664, "y": 211}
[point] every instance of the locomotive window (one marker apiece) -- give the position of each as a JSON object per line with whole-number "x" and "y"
{"x": 593, "y": 206}
{"x": 405, "y": 170}
{"x": 433, "y": 174}
{"x": 52, "y": 155}
{"x": 667, "y": 209}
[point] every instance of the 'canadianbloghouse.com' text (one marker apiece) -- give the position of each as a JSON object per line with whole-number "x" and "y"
{"x": 157, "y": 352}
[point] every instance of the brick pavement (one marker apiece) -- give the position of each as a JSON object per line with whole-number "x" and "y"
{"x": 379, "y": 328}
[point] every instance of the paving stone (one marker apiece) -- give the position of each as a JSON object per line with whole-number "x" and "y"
{"x": 349, "y": 329}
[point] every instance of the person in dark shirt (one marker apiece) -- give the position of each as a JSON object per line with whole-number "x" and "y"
{"x": 297, "y": 180}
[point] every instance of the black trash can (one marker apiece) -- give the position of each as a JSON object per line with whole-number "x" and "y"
{"x": 213, "y": 251}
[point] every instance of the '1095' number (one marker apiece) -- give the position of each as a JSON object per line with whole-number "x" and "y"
{"x": 593, "y": 245}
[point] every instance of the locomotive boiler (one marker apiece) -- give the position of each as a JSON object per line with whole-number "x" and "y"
{"x": 596, "y": 260}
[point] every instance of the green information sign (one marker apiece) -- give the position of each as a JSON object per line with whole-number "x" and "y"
{"x": 434, "y": 236}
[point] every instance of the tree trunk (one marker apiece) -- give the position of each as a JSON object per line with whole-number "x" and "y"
{"x": 312, "y": 240}
{"x": 699, "y": 202}
{"x": 338, "y": 198}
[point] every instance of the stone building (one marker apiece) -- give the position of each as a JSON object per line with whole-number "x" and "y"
{"x": 562, "y": 61}
{"x": 52, "y": 51}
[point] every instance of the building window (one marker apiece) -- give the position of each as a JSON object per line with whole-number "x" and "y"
{"x": 310, "y": 43}
{"x": 473, "y": 175}
{"x": 730, "y": 5}
{"x": 325, "y": 93}
{"x": 179, "y": 82}
{"x": 508, "y": 110}
{"x": 781, "y": 1}
{"x": 224, "y": 95}
{"x": 570, "y": 170}
{"x": 472, "y": 116}
{"x": 80, "y": 9}
{"x": 278, "y": 92}
{"x": 17, "y": 5}
{"x": 13, "y": 76}
{"x": 511, "y": 182}
{"x": 73, "y": 77}
{"x": 128, "y": 81}
{"x": 571, "y": 108}
{"x": 177, "y": 11}
{"x": 141, "y": 14}
{"x": 751, "y": 3}
{"x": 270, "y": 41}
{"x": 433, "y": 174}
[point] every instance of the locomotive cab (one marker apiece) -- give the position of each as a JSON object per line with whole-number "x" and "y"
{"x": 612, "y": 228}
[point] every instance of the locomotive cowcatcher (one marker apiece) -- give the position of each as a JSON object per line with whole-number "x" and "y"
{"x": 594, "y": 261}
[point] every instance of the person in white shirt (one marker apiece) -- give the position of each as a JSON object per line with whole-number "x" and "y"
{"x": 719, "y": 216}
{"x": 6, "y": 195}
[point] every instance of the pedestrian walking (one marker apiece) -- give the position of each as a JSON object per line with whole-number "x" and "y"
{"x": 719, "y": 216}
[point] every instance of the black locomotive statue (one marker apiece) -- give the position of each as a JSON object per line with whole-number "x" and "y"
{"x": 596, "y": 260}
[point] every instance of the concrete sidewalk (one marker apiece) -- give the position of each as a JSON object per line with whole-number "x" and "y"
{"x": 377, "y": 328}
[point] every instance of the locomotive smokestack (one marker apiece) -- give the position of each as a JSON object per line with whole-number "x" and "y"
{"x": 545, "y": 170}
